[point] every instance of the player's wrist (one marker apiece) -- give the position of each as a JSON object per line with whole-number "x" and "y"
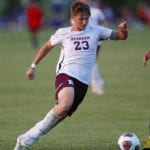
{"x": 33, "y": 66}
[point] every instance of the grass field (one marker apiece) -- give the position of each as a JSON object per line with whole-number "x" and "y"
{"x": 100, "y": 120}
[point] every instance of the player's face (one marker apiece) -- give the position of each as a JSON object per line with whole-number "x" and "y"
{"x": 80, "y": 21}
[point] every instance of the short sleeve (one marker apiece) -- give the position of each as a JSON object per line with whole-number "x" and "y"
{"x": 105, "y": 33}
{"x": 56, "y": 38}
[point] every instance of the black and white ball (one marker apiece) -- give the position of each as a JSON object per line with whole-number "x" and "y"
{"x": 128, "y": 141}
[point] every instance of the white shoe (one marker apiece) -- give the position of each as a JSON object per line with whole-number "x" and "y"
{"x": 97, "y": 87}
{"x": 19, "y": 145}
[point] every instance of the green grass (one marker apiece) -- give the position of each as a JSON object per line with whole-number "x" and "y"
{"x": 100, "y": 120}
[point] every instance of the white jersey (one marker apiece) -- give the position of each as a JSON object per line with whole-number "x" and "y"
{"x": 78, "y": 50}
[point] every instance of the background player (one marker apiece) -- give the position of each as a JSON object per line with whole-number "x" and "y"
{"x": 97, "y": 18}
{"x": 34, "y": 15}
{"x": 79, "y": 45}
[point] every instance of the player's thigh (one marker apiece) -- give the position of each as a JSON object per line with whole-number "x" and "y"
{"x": 66, "y": 96}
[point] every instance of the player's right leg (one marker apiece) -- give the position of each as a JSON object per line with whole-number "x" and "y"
{"x": 53, "y": 117}
{"x": 41, "y": 128}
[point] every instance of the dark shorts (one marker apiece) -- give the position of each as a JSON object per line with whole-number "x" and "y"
{"x": 80, "y": 89}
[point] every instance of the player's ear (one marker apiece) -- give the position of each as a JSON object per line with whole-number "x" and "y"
{"x": 72, "y": 17}
{"x": 72, "y": 21}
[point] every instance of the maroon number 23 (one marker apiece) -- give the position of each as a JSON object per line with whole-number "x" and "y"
{"x": 81, "y": 45}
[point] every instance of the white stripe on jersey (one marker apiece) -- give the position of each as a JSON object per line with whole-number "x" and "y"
{"x": 78, "y": 52}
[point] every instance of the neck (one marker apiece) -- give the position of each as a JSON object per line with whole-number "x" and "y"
{"x": 74, "y": 28}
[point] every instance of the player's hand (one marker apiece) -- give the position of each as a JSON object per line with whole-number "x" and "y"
{"x": 146, "y": 57}
{"x": 123, "y": 32}
{"x": 30, "y": 74}
{"x": 123, "y": 26}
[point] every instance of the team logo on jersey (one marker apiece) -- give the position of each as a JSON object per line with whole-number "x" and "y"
{"x": 70, "y": 82}
{"x": 80, "y": 38}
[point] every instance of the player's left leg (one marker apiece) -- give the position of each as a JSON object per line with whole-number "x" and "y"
{"x": 97, "y": 83}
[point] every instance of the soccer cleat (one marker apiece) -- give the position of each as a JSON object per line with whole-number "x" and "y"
{"x": 97, "y": 87}
{"x": 98, "y": 91}
{"x": 19, "y": 145}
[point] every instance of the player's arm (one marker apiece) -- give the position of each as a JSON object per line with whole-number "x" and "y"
{"x": 40, "y": 55}
{"x": 146, "y": 57}
{"x": 121, "y": 34}
{"x": 42, "y": 52}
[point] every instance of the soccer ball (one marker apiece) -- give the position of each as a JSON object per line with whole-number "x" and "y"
{"x": 128, "y": 141}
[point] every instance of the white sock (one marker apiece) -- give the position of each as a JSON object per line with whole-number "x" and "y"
{"x": 96, "y": 74}
{"x": 41, "y": 128}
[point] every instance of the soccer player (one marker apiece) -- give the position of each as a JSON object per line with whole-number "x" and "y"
{"x": 34, "y": 15}
{"x": 79, "y": 45}
{"x": 97, "y": 18}
{"x": 146, "y": 57}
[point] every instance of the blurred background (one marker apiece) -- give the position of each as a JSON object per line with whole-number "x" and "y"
{"x": 99, "y": 122}
{"x": 56, "y": 12}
